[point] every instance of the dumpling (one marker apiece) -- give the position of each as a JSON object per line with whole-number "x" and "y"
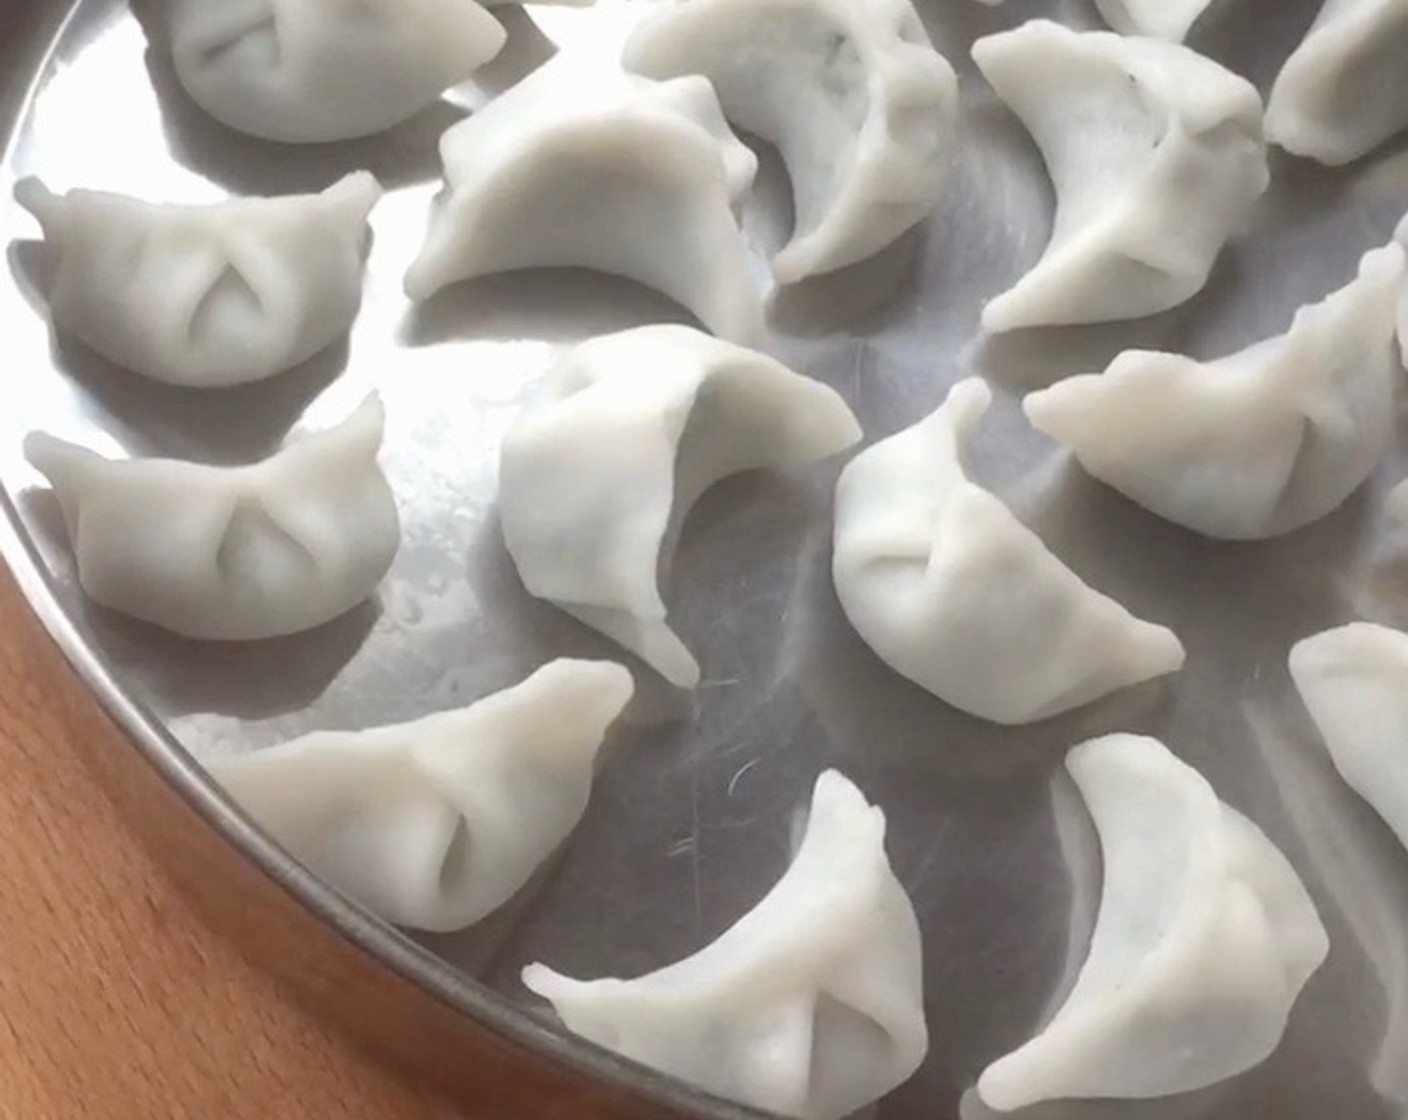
{"x": 436, "y": 823}
{"x": 579, "y": 166}
{"x": 953, "y": 592}
{"x": 307, "y": 71}
{"x": 231, "y": 553}
{"x": 1204, "y": 940}
{"x": 1159, "y": 19}
{"x": 1156, "y": 154}
{"x": 206, "y": 296}
{"x": 853, "y": 94}
{"x": 1344, "y": 91}
{"x": 1398, "y": 502}
{"x": 1354, "y": 682}
{"x": 1362, "y": 883}
{"x": 628, "y": 432}
{"x": 811, "y": 1005}
{"x": 1252, "y": 445}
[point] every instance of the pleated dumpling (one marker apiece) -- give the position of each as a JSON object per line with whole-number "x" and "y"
{"x": 231, "y": 553}
{"x": 1354, "y": 682}
{"x": 1156, "y": 154}
{"x": 857, "y": 100}
{"x": 590, "y": 167}
{"x": 1344, "y": 91}
{"x": 811, "y": 1005}
{"x": 953, "y": 592}
{"x": 1204, "y": 940}
{"x": 308, "y": 71}
{"x": 206, "y": 296}
{"x": 626, "y": 434}
{"x": 1255, "y": 444}
{"x": 436, "y": 823}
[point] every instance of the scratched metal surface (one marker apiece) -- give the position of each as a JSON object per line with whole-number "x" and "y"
{"x": 692, "y": 816}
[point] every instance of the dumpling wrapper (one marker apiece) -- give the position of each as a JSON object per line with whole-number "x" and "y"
{"x": 1204, "y": 940}
{"x": 306, "y": 71}
{"x": 231, "y": 553}
{"x": 206, "y": 296}
{"x": 1256, "y": 444}
{"x": 437, "y": 823}
{"x": 953, "y": 592}
{"x": 859, "y": 103}
{"x": 590, "y": 167}
{"x": 629, "y": 430}
{"x": 1354, "y": 682}
{"x": 811, "y": 1005}
{"x": 1156, "y": 155}
{"x": 1345, "y": 90}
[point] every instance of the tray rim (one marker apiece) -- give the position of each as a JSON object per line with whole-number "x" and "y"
{"x": 181, "y": 774}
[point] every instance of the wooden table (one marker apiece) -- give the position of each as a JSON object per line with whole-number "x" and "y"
{"x": 116, "y": 1002}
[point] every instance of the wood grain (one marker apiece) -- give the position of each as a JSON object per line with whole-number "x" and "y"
{"x": 116, "y": 1002}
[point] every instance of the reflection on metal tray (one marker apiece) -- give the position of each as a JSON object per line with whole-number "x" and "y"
{"x": 692, "y": 816}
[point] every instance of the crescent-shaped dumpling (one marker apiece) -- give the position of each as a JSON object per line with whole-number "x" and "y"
{"x": 1156, "y": 155}
{"x": 305, "y": 71}
{"x": 810, "y": 1005}
{"x": 628, "y": 431}
{"x": 857, "y": 100}
{"x": 1158, "y": 19}
{"x": 231, "y": 553}
{"x": 1354, "y": 682}
{"x": 1252, "y": 445}
{"x": 206, "y": 296}
{"x": 591, "y": 167}
{"x": 1345, "y": 90}
{"x": 1204, "y": 940}
{"x": 953, "y": 592}
{"x": 436, "y": 823}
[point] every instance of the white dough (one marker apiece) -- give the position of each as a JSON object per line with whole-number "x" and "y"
{"x": 1398, "y": 502}
{"x": 811, "y": 1005}
{"x": 305, "y": 71}
{"x": 1252, "y": 445}
{"x": 206, "y": 296}
{"x": 1156, "y": 155}
{"x": 853, "y": 94}
{"x": 436, "y": 823}
{"x": 1204, "y": 940}
{"x": 953, "y": 592}
{"x": 629, "y": 430}
{"x": 1354, "y": 681}
{"x": 231, "y": 553}
{"x": 1345, "y": 89}
{"x": 1159, "y": 19}
{"x": 591, "y": 167}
